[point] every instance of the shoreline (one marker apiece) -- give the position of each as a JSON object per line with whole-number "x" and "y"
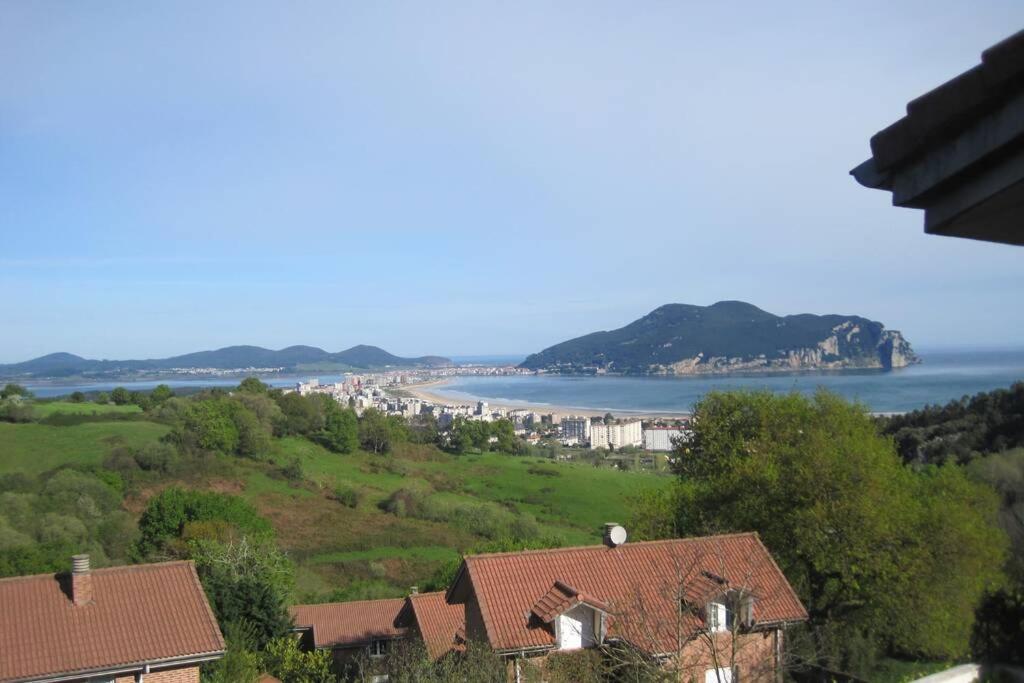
{"x": 426, "y": 391}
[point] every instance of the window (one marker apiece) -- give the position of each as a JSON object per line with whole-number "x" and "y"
{"x": 378, "y": 648}
{"x": 719, "y": 617}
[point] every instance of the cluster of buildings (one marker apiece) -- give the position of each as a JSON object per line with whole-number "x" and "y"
{"x": 575, "y": 430}
{"x": 152, "y": 623}
{"x": 383, "y": 392}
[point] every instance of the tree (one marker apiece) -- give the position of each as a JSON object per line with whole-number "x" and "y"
{"x": 102, "y": 398}
{"x": 161, "y": 393}
{"x": 303, "y": 415}
{"x": 375, "y": 431}
{"x": 341, "y": 427}
{"x": 253, "y": 385}
{"x": 11, "y": 389}
{"x": 209, "y": 424}
{"x": 76, "y": 397}
{"x": 247, "y": 582}
{"x": 505, "y": 433}
{"x": 283, "y": 658}
{"x": 120, "y": 396}
{"x": 873, "y": 548}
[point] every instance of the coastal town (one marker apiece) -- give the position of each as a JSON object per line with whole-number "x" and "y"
{"x": 408, "y": 395}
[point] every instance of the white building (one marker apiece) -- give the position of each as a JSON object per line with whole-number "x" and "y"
{"x": 574, "y": 429}
{"x": 616, "y": 435}
{"x": 661, "y": 438}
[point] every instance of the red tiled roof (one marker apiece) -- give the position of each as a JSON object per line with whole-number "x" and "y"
{"x": 639, "y": 582}
{"x": 350, "y": 623}
{"x": 559, "y": 599}
{"x": 441, "y": 625}
{"x": 139, "y": 614}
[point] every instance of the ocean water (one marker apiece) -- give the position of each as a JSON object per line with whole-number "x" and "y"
{"x": 943, "y": 376}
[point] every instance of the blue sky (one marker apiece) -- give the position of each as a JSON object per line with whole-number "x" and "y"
{"x": 468, "y": 178}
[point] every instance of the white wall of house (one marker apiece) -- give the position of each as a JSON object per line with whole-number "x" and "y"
{"x": 576, "y": 628}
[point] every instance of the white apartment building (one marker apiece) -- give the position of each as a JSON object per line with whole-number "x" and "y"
{"x": 661, "y": 438}
{"x": 573, "y": 429}
{"x": 616, "y": 435}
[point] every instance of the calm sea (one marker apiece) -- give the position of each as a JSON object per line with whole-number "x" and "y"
{"x": 944, "y": 375}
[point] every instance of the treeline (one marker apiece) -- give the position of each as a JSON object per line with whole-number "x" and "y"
{"x": 987, "y": 422}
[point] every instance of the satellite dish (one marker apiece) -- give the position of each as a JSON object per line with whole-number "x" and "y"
{"x": 615, "y": 535}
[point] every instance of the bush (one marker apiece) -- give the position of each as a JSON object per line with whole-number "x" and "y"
{"x": 283, "y": 658}
{"x": 293, "y": 470}
{"x": 347, "y": 496}
{"x": 167, "y": 513}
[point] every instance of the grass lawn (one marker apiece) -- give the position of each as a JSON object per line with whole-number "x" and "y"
{"x": 35, "y": 448}
{"x": 44, "y": 410}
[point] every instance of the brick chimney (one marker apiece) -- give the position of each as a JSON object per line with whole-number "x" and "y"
{"x": 81, "y": 580}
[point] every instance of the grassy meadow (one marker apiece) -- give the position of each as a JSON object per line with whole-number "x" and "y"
{"x": 355, "y": 549}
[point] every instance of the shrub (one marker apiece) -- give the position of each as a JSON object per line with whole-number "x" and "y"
{"x": 347, "y": 496}
{"x": 166, "y": 515}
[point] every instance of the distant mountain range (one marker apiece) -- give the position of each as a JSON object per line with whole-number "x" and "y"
{"x": 729, "y": 336}
{"x": 357, "y": 358}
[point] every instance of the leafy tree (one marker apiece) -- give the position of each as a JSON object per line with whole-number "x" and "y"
{"x": 11, "y": 389}
{"x": 340, "y": 432}
{"x": 76, "y": 397}
{"x": 253, "y": 385}
{"x": 303, "y": 415}
{"x": 161, "y": 393}
{"x": 102, "y": 398}
{"x": 283, "y": 658}
{"x": 247, "y": 582}
{"x": 423, "y": 429}
{"x": 505, "y": 433}
{"x": 375, "y": 431}
{"x": 12, "y": 410}
{"x": 209, "y": 424}
{"x": 141, "y": 400}
{"x": 874, "y": 549}
{"x": 253, "y": 436}
{"x": 120, "y": 396}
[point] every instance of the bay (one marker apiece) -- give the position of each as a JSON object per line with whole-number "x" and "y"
{"x": 942, "y": 377}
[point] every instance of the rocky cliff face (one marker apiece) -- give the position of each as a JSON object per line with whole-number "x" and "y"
{"x": 729, "y": 337}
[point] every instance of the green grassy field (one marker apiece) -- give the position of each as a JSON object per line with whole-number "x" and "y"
{"x": 42, "y": 410}
{"x": 35, "y": 448}
{"x": 361, "y": 551}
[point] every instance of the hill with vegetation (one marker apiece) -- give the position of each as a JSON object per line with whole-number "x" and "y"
{"x": 356, "y": 523}
{"x": 282, "y": 498}
{"x": 729, "y": 336}
{"x": 359, "y": 357}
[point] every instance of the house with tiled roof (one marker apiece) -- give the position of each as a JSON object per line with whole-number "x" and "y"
{"x": 713, "y": 609}
{"x": 369, "y": 628}
{"x": 148, "y": 623}
{"x": 350, "y": 629}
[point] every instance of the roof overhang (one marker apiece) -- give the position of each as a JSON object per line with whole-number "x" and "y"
{"x": 145, "y": 667}
{"x": 959, "y": 152}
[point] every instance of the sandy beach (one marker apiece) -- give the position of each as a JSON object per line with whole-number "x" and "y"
{"x": 427, "y": 391}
